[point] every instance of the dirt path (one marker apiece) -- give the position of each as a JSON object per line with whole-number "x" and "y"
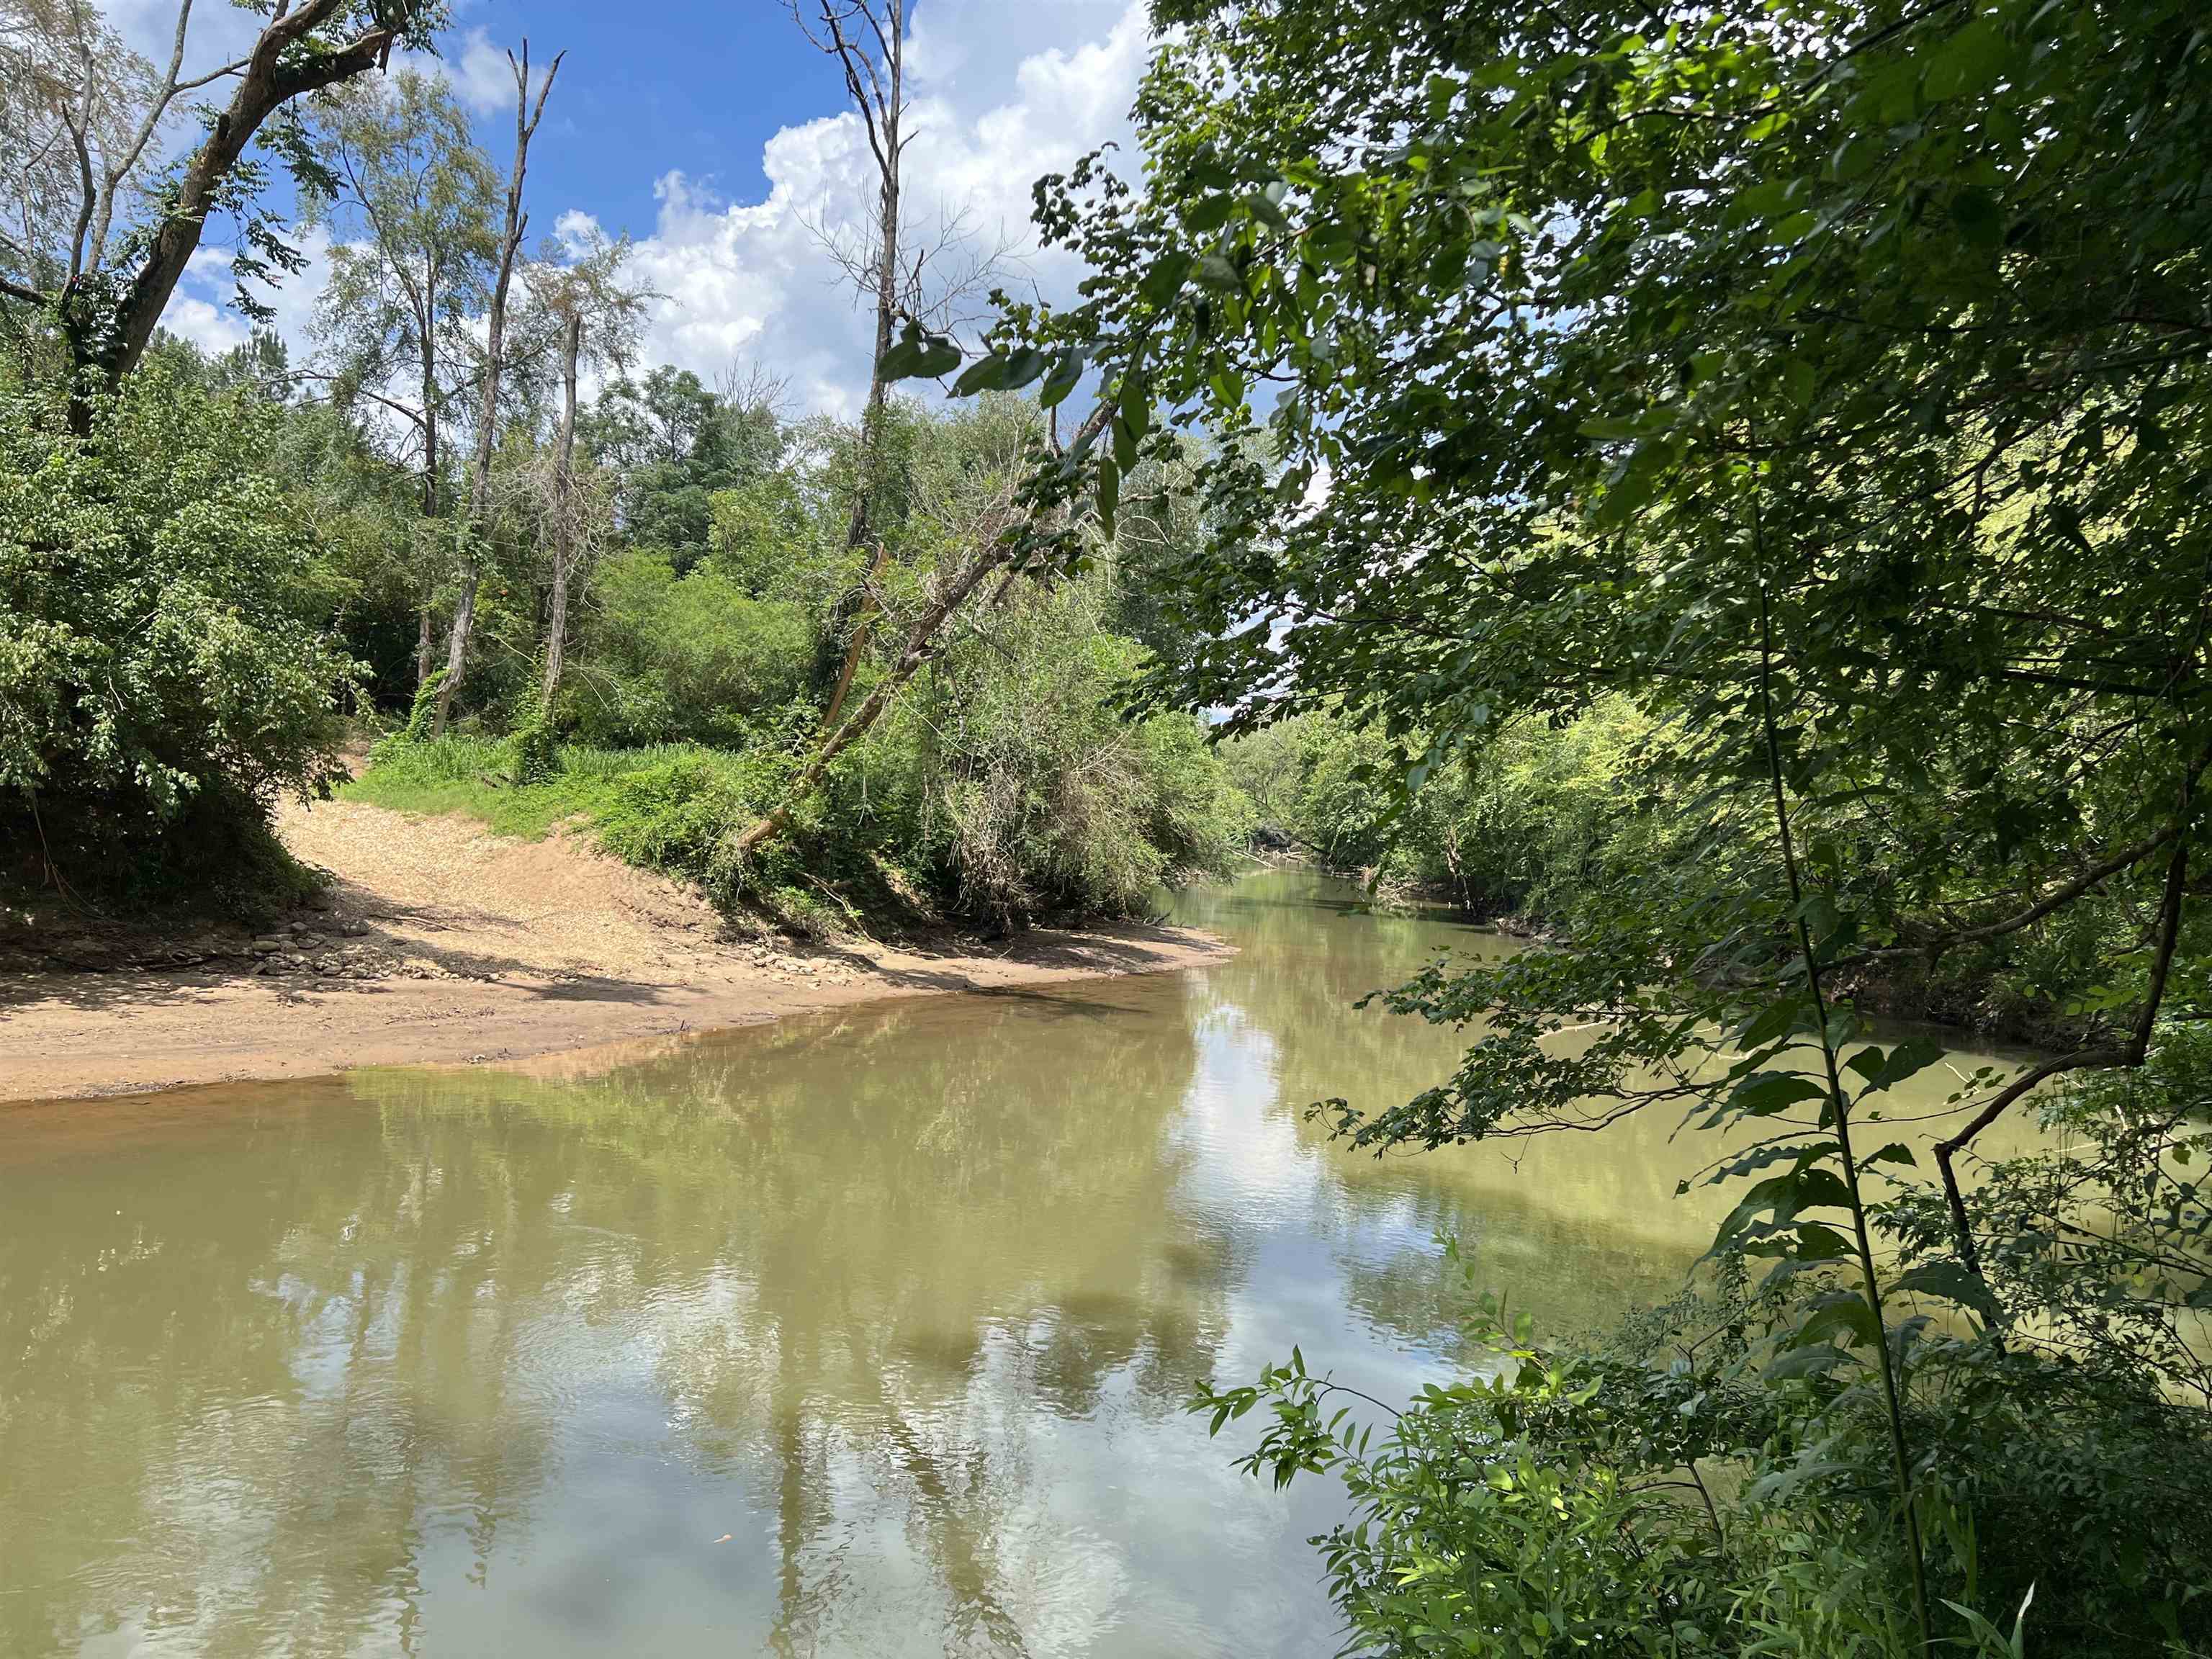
{"x": 447, "y": 944}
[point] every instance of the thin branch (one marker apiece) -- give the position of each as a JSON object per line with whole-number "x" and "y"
{"x": 1969, "y": 1255}
{"x": 2056, "y": 899}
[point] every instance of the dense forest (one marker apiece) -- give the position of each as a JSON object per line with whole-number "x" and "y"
{"x": 1723, "y": 486}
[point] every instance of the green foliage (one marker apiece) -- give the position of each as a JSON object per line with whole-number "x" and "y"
{"x": 1011, "y": 786}
{"x": 2100, "y": 1245}
{"x": 1040, "y": 796}
{"x": 534, "y": 745}
{"x": 1490, "y": 1520}
{"x": 1824, "y": 394}
{"x": 675, "y": 444}
{"x": 425, "y": 710}
{"x": 165, "y": 670}
{"x": 1663, "y": 1492}
{"x": 1540, "y": 823}
{"x": 691, "y": 658}
{"x": 413, "y": 242}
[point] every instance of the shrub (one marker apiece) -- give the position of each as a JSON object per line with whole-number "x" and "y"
{"x": 671, "y": 659}
{"x": 1654, "y": 1494}
{"x": 164, "y": 675}
{"x": 1041, "y": 794}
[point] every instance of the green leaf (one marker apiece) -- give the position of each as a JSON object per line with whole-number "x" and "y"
{"x": 1136, "y": 403}
{"x": 1165, "y": 279}
{"x": 1066, "y": 374}
{"x": 1844, "y": 1312}
{"x": 1208, "y": 213}
{"x": 1125, "y": 444}
{"x": 1109, "y": 500}
{"x": 1773, "y": 1021}
{"x": 1766, "y": 1093}
{"x": 984, "y": 374}
{"x": 1024, "y": 366}
{"x": 1968, "y": 64}
{"x": 1265, "y": 209}
{"x": 920, "y": 356}
{"x": 903, "y": 360}
{"x": 1813, "y": 1361}
{"x": 1953, "y": 1282}
{"x": 1884, "y": 1071}
{"x": 1977, "y": 216}
{"x": 1216, "y": 271}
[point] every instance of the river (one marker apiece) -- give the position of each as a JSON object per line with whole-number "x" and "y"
{"x": 863, "y": 1334}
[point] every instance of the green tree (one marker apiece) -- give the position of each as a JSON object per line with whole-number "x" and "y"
{"x": 675, "y": 442}
{"x": 1826, "y": 380}
{"x": 412, "y": 211}
{"x": 165, "y": 671}
{"x": 103, "y": 235}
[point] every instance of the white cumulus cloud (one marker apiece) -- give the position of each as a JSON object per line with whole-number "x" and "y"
{"x": 749, "y": 282}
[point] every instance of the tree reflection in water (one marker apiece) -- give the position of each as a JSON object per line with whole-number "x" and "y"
{"x": 867, "y": 1333}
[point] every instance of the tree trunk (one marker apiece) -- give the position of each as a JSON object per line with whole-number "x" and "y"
{"x": 850, "y": 611}
{"x": 996, "y": 553}
{"x": 921, "y": 646}
{"x": 863, "y": 613}
{"x": 564, "y": 520}
{"x": 479, "y": 525}
{"x": 425, "y": 657}
{"x": 432, "y": 461}
{"x": 266, "y": 84}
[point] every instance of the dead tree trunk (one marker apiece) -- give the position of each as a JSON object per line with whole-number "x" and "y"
{"x": 564, "y": 513}
{"x": 479, "y": 525}
{"x": 432, "y": 497}
{"x": 868, "y": 40}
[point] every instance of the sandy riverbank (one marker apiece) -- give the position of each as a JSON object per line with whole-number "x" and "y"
{"x": 445, "y": 944}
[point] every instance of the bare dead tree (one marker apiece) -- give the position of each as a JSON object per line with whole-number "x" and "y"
{"x": 942, "y": 276}
{"x": 600, "y": 316}
{"x": 902, "y": 272}
{"x": 98, "y": 111}
{"x": 527, "y": 115}
{"x": 754, "y": 386}
{"x": 564, "y": 513}
{"x": 867, "y": 39}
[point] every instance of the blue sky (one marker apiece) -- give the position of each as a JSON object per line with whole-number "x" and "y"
{"x": 648, "y": 88}
{"x": 710, "y": 130}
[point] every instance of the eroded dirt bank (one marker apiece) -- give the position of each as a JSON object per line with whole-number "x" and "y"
{"x": 444, "y": 944}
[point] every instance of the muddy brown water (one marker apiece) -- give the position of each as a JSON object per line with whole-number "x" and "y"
{"x": 867, "y": 1333}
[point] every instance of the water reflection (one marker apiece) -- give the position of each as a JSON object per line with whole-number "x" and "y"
{"x": 867, "y": 1334}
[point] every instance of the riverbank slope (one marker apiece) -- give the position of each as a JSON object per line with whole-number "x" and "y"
{"x": 443, "y": 944}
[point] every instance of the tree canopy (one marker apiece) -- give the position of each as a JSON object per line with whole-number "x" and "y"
{"x": 1827, "y": 384}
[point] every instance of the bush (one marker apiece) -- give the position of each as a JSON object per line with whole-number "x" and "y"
{"x": 688, "y": 659}
{"x": 1532, "y": 822}
{"x": 1654, "y": 1494}
{"x": 164, "y": 675}
{"x": 1039, "y": 794}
